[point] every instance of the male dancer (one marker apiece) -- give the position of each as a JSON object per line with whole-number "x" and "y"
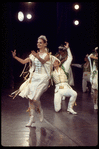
{"x": 93, "y": 58}
{"x": 86, "y": 73}
{"x": 62, "y": 88}
{"x": 62, "y": 55}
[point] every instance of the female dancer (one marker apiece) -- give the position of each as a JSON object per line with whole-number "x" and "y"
{"x": 38, "y": 83}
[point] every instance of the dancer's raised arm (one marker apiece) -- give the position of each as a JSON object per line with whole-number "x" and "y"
{"x": 93, "y": 57}
{"x": 22, "y": 61}
{"x": 69, "y": 59}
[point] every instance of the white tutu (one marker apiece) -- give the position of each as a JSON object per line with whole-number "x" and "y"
{"x": 35, "y": 88}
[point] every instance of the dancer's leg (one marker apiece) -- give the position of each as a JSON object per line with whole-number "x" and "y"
{"x": 32, "y": 112}
{"x": 57, "y": 101}
{"x": 39, "y": 108}
{"x": 73, "y": 95}
{"x": 72, "y": 99}
{"x": 95, "y": 98}
{"x": 84, "y": 85}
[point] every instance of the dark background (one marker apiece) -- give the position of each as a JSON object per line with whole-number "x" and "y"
{"x": 53, "y": 19}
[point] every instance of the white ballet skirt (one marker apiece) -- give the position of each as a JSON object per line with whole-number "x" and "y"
{"x": 38, "y": 81}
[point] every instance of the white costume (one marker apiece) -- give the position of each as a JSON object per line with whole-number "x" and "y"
{"x": 62, "y": 88}
{"x": 94, "y": 79}
{"x": 38, "y": 81}
{"x": 86, "y": 75}
{"x": 68, "y": 68}
{"x": 71, "y": 78}
{"x": 94, "y": 73}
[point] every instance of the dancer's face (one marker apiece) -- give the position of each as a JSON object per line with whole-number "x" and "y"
{"x": 56, "y": 63}
{"x": 41, "y": 44}
{"x": 85, "y": 59}
{"x": 61, "y": 52}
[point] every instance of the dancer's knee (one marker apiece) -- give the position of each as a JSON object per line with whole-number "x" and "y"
{"x": 75, "y": 94}
{"x": 34, "y": 101}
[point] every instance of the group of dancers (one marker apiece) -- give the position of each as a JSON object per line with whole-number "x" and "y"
{"x": 45, "y": 69}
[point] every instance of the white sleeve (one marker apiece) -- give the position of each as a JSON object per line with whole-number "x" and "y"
{"x": 77, "y": 65}
{"x": 90, "y": 62}
{"x": 67, "y": 63}
{"x": 70, "y": 57}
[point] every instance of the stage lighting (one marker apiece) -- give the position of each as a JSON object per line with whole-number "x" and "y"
{"x": 20, "y": 16}
{"x": 76, "y": 6}
{"x": 29, "y": 16}
{"x": 76, "y": 22}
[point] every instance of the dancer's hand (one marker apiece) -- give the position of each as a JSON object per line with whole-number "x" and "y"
{"x": 66, "y": 45}
{"x": 87, "y": 55}
{"x": 35, "y": 54}
{"x": 13, "y": 53}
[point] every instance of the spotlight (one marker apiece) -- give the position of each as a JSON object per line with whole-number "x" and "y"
{"x": 76, "y": 22}
{"x": 76, "y": 6}
{"x": 20, "y": 16}
{"x": 29, "y": 16}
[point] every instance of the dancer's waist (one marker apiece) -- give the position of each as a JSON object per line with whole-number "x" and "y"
{"x": 61, "y": 85}
{"x": 40, "y": 71}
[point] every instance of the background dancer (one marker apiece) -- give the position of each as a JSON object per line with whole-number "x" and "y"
{"x": 62, "y": 88}
{"x": 62, "y": 55}
{"x": 39, "y": 80}
{"x": 93, "y": 58}
{"x": 86, "y": 74}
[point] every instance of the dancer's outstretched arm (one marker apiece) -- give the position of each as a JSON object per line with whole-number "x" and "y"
{"x": 22, "y": 61}
{"x": 77, "y": 65}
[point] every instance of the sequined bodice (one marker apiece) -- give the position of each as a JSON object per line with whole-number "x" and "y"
{"x": 39, "y": 68}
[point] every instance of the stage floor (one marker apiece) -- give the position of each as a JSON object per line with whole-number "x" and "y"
{"x": 57, "y": 129}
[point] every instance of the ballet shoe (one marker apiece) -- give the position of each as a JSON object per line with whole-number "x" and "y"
{"x": 71, "y": 111}
{"x": 30, "y": 121}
